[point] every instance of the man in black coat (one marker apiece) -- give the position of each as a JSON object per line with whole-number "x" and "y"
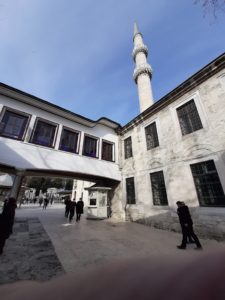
{"x": 186, "y": 225}
{"x": 79, "y": 209}
{"x": 6, "y": 221}
{"x": 72, "y": 209}
{"x": 67, "y": 207}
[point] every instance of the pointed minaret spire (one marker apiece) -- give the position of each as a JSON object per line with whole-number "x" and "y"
{"x": 136, "y": 30}
{"x": 143, "y": 71}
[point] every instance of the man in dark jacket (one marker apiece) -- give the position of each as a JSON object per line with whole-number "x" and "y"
{"x": 67, "y": 207}
{"x": 72, "y": 209}
{"x": 186, "y": 225}
{"x": 79, "y": 209}
{"x": 6, "y": 221}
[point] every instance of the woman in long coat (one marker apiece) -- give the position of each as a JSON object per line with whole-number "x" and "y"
{"x": 6, "y": 221}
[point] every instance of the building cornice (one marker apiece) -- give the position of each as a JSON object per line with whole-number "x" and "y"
{"x": 29, "y": 99}
{"x": 195, "y": 80}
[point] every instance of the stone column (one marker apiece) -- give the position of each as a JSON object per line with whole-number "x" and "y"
{"x": 115, "y": 196}
{"x": 17, "y": 183}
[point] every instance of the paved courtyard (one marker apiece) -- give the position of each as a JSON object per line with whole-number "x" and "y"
{"x": 44, "y": 245}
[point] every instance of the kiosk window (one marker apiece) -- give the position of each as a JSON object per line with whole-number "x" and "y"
{"x": 93, "y": 201}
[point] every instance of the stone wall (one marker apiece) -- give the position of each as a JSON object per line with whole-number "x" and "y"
{"x": 174, "y": 156}
{"x": 209, "y": 225}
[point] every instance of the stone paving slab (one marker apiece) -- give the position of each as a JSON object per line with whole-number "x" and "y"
{"x": 29, "y": 254}
{"x": 45, "y": 244}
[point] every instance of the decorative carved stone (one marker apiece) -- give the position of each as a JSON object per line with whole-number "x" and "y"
{"x": 139, "y": 48}
{"x": 142, "y": 69}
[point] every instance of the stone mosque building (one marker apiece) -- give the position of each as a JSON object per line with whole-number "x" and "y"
{"x": 173, "y": 150}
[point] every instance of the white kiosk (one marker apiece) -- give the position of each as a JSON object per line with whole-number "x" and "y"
{"x": 98, "y": 203}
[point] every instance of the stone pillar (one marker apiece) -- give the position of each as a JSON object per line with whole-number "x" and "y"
{"x": 74, "y": 192}
{"x": 17, "y": 184}
{"x": 115, "y": 197}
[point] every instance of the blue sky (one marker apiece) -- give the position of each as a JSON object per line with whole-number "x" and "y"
{"x": 77, "y": 54}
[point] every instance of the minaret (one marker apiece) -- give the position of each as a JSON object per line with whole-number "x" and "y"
{"x": 143, "y": 71}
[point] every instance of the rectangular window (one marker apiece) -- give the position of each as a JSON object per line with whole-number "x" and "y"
{"x": 93, "y": 202}
{"x": 107, "y": 151}
{"x": 69, "y": 141}
{"x": 189, "y": 118}
{"x": 130, "y": 190}
{"x": 158, "y": 188}
{"x": 13, "y": 125}
{"x": 44, "y": 133}
{"x": 207, "y": 183}
{"x": 128, "y": 147}
{"x": 90, "y": 146}
{"x": 152, "y": 140}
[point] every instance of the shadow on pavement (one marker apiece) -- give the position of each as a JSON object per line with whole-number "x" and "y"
{"x": 29, "y": 254}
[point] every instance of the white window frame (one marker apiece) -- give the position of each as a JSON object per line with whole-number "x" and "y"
{"x": 113, "y": 150}
{"x": 97, "y": 145}
{"x": 78, "y": 139}
{"x": 18, "y": 112}
{"x": 47, "y": 122}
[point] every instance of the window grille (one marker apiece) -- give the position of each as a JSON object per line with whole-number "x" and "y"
{"x": 130, "y": 190}
{"x": 189, "y": 118}
{"x": 152, "y": 140}
{"x": 128, "y": 147}
{"x": 158, "y": 188}
{"x": 207, "y": 184}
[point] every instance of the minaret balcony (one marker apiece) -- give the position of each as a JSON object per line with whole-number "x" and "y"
{"x": 142, "y": 69}
{"x": 140, "y": 48}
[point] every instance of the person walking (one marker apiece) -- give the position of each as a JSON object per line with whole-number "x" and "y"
{"x": 72, "y": 209}
{"x": 186, "y": 226}
{"x": 79, "y": 209}
{"x": 46, "y": 201}
{"x": 189, "y": 238}
{"x": 35, "y": 200}
{"x": 6, "y": 221}
{"x": 67, "y": 207}
{"x": 40, "y": 201}
{"x": 51, "y": 199}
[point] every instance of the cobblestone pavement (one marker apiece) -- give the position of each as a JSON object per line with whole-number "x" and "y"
{"x": 44, "y": 244}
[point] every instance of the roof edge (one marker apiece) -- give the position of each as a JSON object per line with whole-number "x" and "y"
{"x": 197, "y": 78}
{"x": 7, "y": 90}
